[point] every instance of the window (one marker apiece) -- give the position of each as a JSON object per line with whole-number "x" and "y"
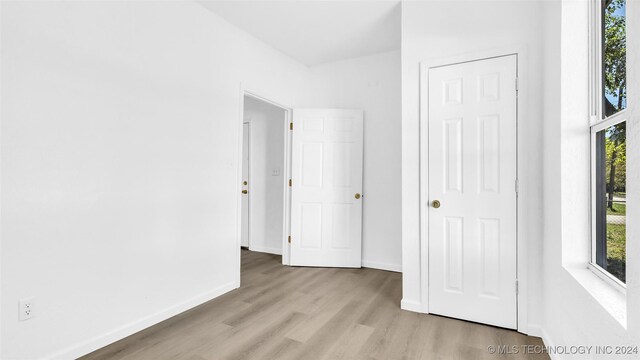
{"x": 614, "y": 56}
{"x": 608, "y": 131}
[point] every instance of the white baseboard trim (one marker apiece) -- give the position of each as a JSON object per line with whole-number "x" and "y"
{"x": 268, "y": 250}
{"x": 411, "y": 306}
{"x": 110, "y": 337}
{"x": 549, "y": 343}
{"x": 534, "y": 330}
{"x": 381, "y": 266}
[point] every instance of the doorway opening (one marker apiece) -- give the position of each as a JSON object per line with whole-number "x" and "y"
{"x": 265, "y": 175}
{"x": 300, "y": 184}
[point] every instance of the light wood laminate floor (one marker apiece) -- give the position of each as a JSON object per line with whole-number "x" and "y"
{"x": 283, "y": 312}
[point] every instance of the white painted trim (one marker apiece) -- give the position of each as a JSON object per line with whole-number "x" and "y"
{"x": 247, "y": 91}
{"x": 522, "y": 164}
{"x": 247, "y": 122}
{"x": 110, "y": 337}
{"x": 1, "y": 251}
{"x": 410, "y": 305}
{"x": 238, "y": 246}
{"x": 614, "y": 119}
{"x": 546, "y": 339}
{"x": 382, "y": 266}
{"x": 608, "y": 278}
{"x": 264, "y": 249}
{"x": 286, "y": 230}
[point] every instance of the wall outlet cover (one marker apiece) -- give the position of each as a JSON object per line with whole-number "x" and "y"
{"x": 26, "y": 308}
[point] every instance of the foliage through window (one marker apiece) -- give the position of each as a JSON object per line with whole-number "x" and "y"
{"x": 614, "y": 56}
{"x": 609, "y": 140}
{"x": 611, "y": 198}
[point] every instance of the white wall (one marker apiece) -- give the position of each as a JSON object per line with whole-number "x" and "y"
{"x": 119, "y": 159}
{"x": 579, "y": 308}
{"x": 120, "y": 164}
{"x": 440, "y": 29}
{"x": 266, "y": 191}
{"x": 372, "y": 83}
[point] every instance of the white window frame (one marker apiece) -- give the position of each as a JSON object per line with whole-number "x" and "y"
{"x": 597, "y": 123}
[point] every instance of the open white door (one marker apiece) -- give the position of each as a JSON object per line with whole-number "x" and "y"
{"x": 472, "y": 191}
{"x": 326, "y": 202}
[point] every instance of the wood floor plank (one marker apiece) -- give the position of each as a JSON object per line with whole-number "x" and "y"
{"x": 285, "y": 349}
{"x": 261, "y": 343}
{"x": 349, "y": 345}
{"x": 293, "y": 313}
{"x": 332, "y": 303}
{"x": 319, "y": 344}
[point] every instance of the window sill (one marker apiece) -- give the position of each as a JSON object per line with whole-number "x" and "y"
{"x": 610, "y": 298}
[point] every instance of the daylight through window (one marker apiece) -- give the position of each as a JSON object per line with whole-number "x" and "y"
{"x": 609, "y": 141}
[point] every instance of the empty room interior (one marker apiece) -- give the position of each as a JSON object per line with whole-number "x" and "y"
{"x": 437, "y": 179}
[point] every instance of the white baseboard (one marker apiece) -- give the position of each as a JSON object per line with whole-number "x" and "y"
{"x": 549, "y": 343}
{"x": 382, "y": 266}
{"x": 268, "y": 250}
{"x": 534, "y": 330}
{"x": 110, "y": 337}
{"x": 411, "y": 306}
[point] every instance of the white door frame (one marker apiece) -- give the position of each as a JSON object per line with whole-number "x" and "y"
{"x": 521, "y": 164}
{"x": 247, "y": 122}
{"x": 245, "y": 91}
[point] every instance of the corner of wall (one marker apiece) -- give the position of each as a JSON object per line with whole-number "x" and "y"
{"x": 410, "y": 305}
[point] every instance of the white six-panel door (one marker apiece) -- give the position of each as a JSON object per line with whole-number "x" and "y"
{"x": 326, "y": 202}
{"x": 472, "y": 173}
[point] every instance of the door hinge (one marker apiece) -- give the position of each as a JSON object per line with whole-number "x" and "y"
{"x": 289, "y": 239}
{"x": 517, "y": 84}
{"x": 291, "y": 125}
{"x": 517, "y": 288}
{"x": 289, "y": 182}
{"x": 517, "y": 186}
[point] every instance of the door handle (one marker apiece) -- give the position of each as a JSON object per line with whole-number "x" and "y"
{"x": 357, "y": 196}
{"x": 435, "y": 203}
{"x": 244, "y": 191}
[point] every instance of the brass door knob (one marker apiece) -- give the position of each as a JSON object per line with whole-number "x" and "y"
{"x": 435, "y": 204}
{"x": 357, "y": 196}
{"x": 244, "y": 191}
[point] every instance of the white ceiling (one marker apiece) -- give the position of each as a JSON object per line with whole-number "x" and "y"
{"x": 316, "y": 32}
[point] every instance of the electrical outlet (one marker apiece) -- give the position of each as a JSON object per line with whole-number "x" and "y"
{"x": 26, "y": 307}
